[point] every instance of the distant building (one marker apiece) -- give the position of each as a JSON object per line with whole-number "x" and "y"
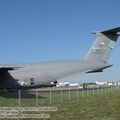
{"x": 101, "y": 83}
{"x": 67, "y": 84}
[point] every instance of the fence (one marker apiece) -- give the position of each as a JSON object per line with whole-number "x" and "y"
{"x": 48, "y": 96}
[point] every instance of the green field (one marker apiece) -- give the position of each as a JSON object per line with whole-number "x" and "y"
{"x": 73, "y": 105}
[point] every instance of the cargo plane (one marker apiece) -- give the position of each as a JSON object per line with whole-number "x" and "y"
{"x": 34, "y": 75}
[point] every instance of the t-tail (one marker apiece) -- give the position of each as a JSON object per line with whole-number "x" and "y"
{"x": 102, "y": 47}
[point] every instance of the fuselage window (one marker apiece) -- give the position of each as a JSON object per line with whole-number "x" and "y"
{"x": 32, "y": 81}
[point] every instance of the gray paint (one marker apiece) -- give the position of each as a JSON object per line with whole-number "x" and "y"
{"x": 30, "y": 75}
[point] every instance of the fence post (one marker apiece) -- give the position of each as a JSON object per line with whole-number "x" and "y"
{"x": 19, "y": 99}
{"x": 61, "y": 95}
{"x": 36, "y": 98}
{"x": 50, "y": 96}
{"x": 101, "y": 90}
{"x": 77, "y": 92}
{"x": 83, "y": 92}
{"x": 98, "y": 91}
{"x": 69, "y": 93}
{"x": 93, "y": 91}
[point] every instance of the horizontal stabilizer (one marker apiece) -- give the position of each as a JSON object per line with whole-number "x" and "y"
{"x": 111, "y": 31}
{"x": 99, "y": 70}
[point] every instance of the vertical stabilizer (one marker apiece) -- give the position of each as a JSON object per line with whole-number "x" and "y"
{"x": 102, "y": 47}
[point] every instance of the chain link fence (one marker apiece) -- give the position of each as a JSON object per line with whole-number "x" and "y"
{"x": 50, "y": 96}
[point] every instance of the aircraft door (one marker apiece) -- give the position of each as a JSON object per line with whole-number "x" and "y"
{"x": 32, "y": 81}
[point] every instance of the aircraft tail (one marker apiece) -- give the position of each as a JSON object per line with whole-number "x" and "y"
{"x": 102, "y": 47}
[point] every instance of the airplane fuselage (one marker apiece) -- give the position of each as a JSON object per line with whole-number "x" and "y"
{"x": 31, "y": 75}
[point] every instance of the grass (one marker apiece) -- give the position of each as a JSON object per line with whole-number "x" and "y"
{"x": 80, "y": 105}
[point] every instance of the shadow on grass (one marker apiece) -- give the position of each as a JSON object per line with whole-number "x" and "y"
{"x": 23, "y": 94}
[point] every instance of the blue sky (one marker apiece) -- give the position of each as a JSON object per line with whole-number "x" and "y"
{"x": 43, "y": 30}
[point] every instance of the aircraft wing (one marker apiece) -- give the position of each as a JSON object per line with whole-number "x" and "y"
{"x": 5, "y": 69}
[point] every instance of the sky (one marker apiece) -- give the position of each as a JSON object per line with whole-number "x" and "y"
{"x": 46, "y": 30}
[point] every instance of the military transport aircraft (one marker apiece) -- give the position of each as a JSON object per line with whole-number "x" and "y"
{"x": 35, "y": 75}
